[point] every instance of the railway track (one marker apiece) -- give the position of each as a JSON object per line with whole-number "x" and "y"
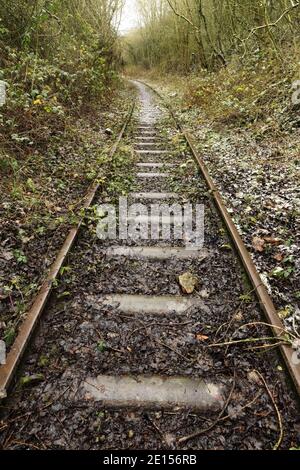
{"x": 123, "y": 356}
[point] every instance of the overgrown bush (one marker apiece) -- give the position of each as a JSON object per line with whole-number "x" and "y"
{"x": 59, "y": 60}
{"x": 246, "y": 94}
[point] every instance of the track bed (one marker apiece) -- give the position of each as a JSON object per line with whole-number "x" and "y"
{"x": 123, "y": 359}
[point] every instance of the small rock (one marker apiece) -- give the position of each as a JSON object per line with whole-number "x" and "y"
{"x": 108, "y": 131}
{"x": 188, "y": 283}
{"x": 204, "y": 294}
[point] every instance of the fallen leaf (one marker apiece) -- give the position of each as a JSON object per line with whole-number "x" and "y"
{"x": 258, "y": 244}
{"x": 284, "y": 313}
{"x": 238, "y": 316}
{"x": 254, "y": 377}
{"x": 273, "y": 241}
{"x": 188, "y": 283}
{"x": 49, "y": 204}
{"x": 226, "y": 247}
{"x": 202, "y": 337}
{"x": 31, "y": 379}
{"x": 278, "y": 257}
{"x": 6, "y": 255}
{"x": 169, "y": 439}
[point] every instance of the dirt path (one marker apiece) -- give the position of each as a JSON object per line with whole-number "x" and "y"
{"x": 124, "y": 359}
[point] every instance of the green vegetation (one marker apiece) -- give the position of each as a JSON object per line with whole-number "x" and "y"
{"x": 239, "y": 57}
{"x": 230, "y": 69}
{"x": 189, "y": 35}
{"x": 58, "y": 59}
{"x": 226, "y": 66}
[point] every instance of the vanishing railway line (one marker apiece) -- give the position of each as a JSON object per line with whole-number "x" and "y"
{"x": 129, "y": 359}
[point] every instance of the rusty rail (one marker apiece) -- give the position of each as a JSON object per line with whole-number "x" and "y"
{"x": 262, "y": 294}
{"x": 27, "y": 328}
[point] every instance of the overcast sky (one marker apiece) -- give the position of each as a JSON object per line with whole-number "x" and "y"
{"x": 129, "y": 18}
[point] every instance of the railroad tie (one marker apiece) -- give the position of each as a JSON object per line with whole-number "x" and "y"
{"x": 153, "y": 175}
{"x": 153, "y": 305}
{"x": 157, "y": 252}
{"x": 154, "y": 196}
{"x": 155, "y": 392}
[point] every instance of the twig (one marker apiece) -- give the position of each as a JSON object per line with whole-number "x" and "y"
{"x": 279, "y": 441}
{"x": 280, "y": 328}
{"x": 156, "y": 428}
{"x": 27, "y": 444}
{"x": 267, "y": 346}
{"x": 246, "y": 340}
{"x": 229, "y": 324}
{"x": 250, "y": 403}
{"x": 295, "y": 328}
{"x": 185, "y": 439}
{"x": 269, "y": 25}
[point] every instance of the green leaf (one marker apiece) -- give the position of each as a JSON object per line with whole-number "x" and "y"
{"x": 101, "y": 346}
{"x": 30, "y": 379}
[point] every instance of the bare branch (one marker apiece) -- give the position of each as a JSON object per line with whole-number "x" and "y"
{"x": 271, "y": 25}
{"x": 180, "y": 15}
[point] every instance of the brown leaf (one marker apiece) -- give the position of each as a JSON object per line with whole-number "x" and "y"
{"x": 202, "y": 337}
{"x": 238, "y": 316}
{"x": 188, "y": 283}
{"x": 278, "y": 257}
{"x": 272, "y": 240}
{"x": 6, "y": 255}
{"x": 258, "y": 244}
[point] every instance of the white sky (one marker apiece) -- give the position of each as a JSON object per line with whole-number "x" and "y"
{"x": 129, "y": 18}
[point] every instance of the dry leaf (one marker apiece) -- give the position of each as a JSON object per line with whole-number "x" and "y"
{"x": 272, "y": 240}
{"x": 6, "y": 255}
{"x": 202, "y": 337}
{"x": 278, "y": 257}
{"x": 238, "y": 316}
{"x": 188, "y": 283}
{"x": 254, "y": 377}
{"x": 49, "y": 204}
{"x": 258, "y": 244}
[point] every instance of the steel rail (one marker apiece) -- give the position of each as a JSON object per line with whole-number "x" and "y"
{"x": 28, "y": 326}
{"x": 262, "y": 294}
